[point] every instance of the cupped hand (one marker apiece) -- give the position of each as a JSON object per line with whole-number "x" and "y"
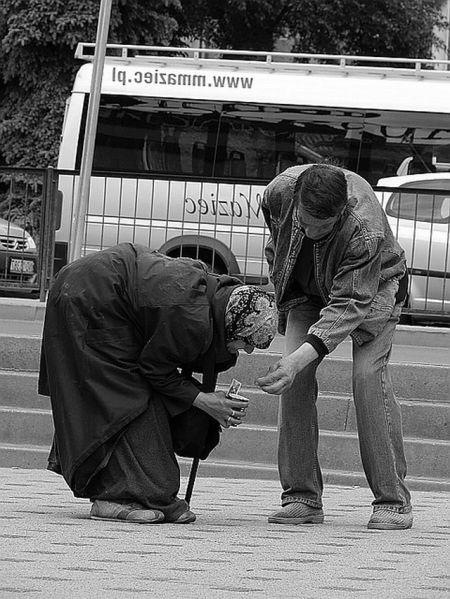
{"x": 279, "y": 377}
{"x": 226, "y": 410}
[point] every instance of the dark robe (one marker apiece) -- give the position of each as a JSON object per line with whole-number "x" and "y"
{"x": 122, "y": 325}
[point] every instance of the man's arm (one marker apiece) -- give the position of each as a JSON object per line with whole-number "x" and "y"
{"x": 354, "y": 287}
{"x": 281, "y": 375}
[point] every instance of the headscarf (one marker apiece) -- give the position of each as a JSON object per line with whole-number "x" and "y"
{"x": 251, "y": 316}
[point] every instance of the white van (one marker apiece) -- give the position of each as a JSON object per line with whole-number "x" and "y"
{"x": 187, "y": 139}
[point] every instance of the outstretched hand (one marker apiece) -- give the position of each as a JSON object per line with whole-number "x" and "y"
{"x": 279, "y": 377}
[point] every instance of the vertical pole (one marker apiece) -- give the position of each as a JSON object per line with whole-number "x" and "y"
{"x": 47, "y": 233}
{"x": 82, "y": 197}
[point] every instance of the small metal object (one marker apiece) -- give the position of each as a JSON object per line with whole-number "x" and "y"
{"x": 233, "y": 393}
{"x": 234, "y": 388}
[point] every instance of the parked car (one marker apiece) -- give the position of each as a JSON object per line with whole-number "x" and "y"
{"x": 418, "y": 210}
{"x": 18, "y": 255}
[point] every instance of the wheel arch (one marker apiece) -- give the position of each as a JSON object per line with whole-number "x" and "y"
{"x": 202, "y": 245}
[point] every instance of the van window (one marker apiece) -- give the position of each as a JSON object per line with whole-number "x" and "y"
{"x": 255, "y": 141}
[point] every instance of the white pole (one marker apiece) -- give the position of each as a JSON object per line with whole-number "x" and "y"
{"x": 82, "y": 197}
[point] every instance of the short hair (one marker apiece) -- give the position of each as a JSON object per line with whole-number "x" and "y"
{"x": 322, "y": 190}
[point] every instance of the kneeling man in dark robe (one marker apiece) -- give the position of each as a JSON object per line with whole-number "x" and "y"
{"x": 125, "y": 329}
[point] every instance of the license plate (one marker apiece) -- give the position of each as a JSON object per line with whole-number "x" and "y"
{"x": 19, "y": 266}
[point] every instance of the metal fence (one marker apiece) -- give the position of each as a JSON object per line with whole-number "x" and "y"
{"x": 219, "y": 222}
{"x": 420, "y": 220}
{"x": 27, "y": 230}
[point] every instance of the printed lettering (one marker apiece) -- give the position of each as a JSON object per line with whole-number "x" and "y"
{"x": 223, "y": 208}
{"x": 250, "y": 208}
{"x": 189, "y": 205}
{"x": 223, "y": 81}
{"x": 199, "y": 80}
{"x": 215, "y": 207}
{"x": 236, "y": 209}
{"x": 246, "y": 82}
{"x": 122, "y": 77}
{"x": 202, "y": 206}
{"x": 184, "y": 79}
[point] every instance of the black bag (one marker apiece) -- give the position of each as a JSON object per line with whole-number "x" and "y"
{"x": 194, "y": 433}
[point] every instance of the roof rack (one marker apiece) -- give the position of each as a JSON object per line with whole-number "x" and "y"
{"x": 347, "y": 64}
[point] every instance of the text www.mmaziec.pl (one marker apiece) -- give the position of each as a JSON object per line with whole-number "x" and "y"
{"x": 157, "y": 77}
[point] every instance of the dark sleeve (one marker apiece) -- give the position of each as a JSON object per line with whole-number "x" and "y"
{"x": 181, "y": 335}
{"x": 402, "y": 289}
{"x": 317, "y": 344}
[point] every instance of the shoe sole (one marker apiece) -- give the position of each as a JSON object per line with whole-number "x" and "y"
{"x": 386, "y": 526}
{"x": 188, "y": 521}
{"x": 305, "y": 520}
{"x": 127, "y": 521}
{"x": 180, "y": 520}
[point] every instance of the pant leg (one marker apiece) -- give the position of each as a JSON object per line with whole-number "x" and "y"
{"x": 379, "y": 421}
{"x": 142, "y": 467}
{"x": 298, "y": 465}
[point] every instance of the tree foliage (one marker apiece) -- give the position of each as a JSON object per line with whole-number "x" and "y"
{"x": 38, "y": 40}
{"x": 37, "y": 65}
{"x": 233, "y": 24}
{"x": 391, "y": 28}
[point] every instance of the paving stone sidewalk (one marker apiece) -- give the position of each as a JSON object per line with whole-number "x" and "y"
{"x": 50, "y": 548}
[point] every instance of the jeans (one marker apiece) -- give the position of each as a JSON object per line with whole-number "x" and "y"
{"x": 378, "y": 418}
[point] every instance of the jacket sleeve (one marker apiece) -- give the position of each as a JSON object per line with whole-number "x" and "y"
{"x": 269, "y": 250}
{"x": 354, "y": 287}
{"x": 181, "y": 335}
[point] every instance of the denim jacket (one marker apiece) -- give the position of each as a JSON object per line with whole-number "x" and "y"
{"x": 357, "y": 266}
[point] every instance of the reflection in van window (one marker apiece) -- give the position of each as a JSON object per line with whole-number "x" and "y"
{"x": 254, "y": 141}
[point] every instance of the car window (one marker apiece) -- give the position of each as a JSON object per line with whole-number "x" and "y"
{"x": 427, "y": 206}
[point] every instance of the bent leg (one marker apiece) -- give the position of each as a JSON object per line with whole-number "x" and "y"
{"x": 298, "y": 464}
{"x": 143, "y": 467}
{"x": 379, "y": 422}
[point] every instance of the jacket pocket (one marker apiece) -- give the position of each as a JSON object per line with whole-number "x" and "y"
{"x": 380, "y": 312}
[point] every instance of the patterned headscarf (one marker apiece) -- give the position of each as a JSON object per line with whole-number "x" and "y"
{"x": 251, "y": 316}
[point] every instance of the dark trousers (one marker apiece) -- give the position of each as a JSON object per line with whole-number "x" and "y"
{"x": 142, "y": 467}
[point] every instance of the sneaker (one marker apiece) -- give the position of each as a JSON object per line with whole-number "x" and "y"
{"x": 384, "y": 519}
{"x": 297, "y": 513}
{"x": 126, "y": 512}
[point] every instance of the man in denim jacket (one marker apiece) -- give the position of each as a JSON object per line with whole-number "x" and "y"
{"x": 337, "y": 271}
